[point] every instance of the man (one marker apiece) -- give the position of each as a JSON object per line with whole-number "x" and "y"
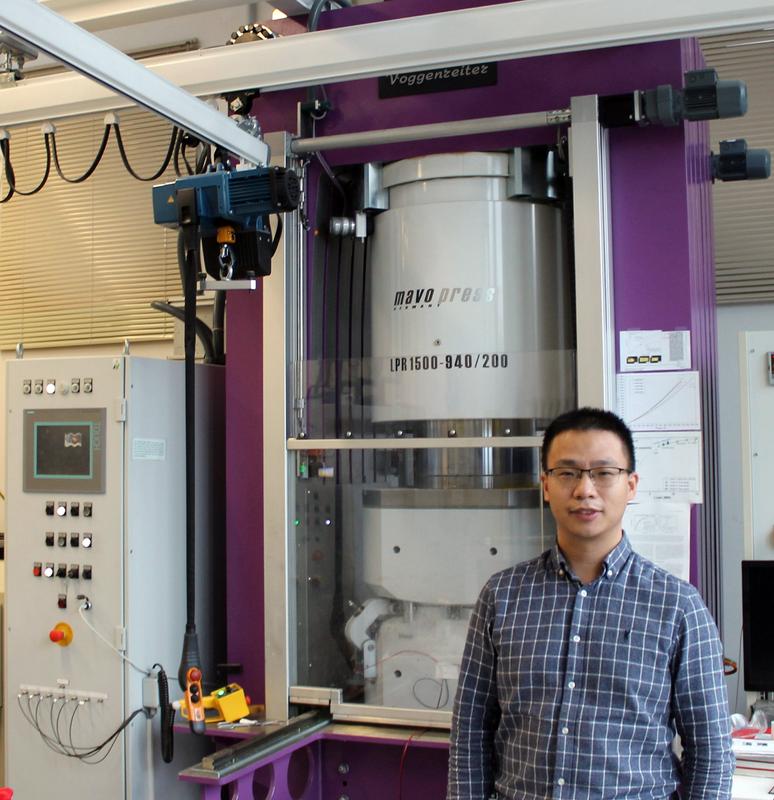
{"x": 582, "y": 664}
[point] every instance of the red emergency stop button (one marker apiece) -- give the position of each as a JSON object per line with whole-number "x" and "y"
{"x": 61, "y": 634}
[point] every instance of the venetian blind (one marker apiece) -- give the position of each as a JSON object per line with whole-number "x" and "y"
{"x": 80, "y": 263}
{"x": 744, "y": 210}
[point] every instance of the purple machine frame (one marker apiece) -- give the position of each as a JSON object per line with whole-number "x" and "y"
{"x": 663, "y": 278}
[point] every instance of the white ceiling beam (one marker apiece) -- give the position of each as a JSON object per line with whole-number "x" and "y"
{"x": 115, "y": 71}
{"x": 99, "y": 15}
{"x": 510, "y": 30}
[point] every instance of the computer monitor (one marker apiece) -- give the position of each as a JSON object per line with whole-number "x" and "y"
{"x": 758, "y": 625}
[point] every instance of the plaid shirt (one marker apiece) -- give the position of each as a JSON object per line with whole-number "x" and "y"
{"x": 575, "y": 692}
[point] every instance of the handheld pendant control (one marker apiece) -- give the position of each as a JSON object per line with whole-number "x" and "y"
{"x": 193, "y": 700}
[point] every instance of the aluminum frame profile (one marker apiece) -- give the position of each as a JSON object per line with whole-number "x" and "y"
{"x": 595, "y": 323}
{"x": 509, "y": 30}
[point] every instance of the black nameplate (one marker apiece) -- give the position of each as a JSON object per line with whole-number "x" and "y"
{"x": 442, "y": 79}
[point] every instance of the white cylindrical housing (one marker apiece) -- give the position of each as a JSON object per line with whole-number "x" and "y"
{"x": 471, "y": 311}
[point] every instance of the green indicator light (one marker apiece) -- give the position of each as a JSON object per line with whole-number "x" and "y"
{"x": 296, "y": 522}
{"x": 302, "y": 470}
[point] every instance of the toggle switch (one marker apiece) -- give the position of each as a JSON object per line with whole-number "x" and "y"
{"x": 87, "y": 509}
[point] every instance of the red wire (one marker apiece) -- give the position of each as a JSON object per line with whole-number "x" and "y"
{"x": 414, "y": 735}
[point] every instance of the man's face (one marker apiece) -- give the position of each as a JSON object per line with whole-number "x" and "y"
{"x": 584, "y": 512}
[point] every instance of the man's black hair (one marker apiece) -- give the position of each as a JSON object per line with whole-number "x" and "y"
{"x": 589, "y": 419}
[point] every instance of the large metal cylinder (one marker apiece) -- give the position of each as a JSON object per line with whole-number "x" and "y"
{"x": 470, "y": 302}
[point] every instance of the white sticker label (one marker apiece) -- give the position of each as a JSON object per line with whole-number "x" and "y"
{"x": 149, "y": 449}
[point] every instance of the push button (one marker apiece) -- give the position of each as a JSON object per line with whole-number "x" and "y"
{"x": 86, "y": 573}
{"x": 49, "y": 538}
{"x": 87, "y": 509}
{"x": 74, "y": 537}
{"x": 37, "y": 569}
{"x": 87, "y": 540}
{"x": 61, "y": 508}
{"x": 61, "y": 601}
{"x": 61, "y": 571}
{"x": 61, "y": 539}
{"x": 48, "y": 570}
{"x": 50, "y": 508}
{"x": 73, "y": 572}
{"x": 75, "y": 509}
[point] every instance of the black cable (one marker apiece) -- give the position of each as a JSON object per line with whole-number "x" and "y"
{"x": 189, "y": 347}
{"x": 190, "y": 655}
{"x": 313, "y": 19}
{"x": 277, "y": 235}
{"x": 5, "y": 149}
{"x": 167, "y": 717}
{"x": 203, "y": 332}
{"x": 172, "y": 143}
{"x": 9, "y": 174}
{"x": 117, "y": 732}
{"x": 218, "y": 328}
{"x": 183, "y": 148}
{"x": 94, "y": 164}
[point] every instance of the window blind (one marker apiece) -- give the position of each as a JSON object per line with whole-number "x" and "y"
{"x": 80, "y": 263}
{"x": 744, "y": 210}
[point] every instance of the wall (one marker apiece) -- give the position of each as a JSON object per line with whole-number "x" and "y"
{"x": 733, "y": 320}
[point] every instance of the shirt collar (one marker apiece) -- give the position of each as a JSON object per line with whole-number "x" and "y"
{"x": 612, "y": 563}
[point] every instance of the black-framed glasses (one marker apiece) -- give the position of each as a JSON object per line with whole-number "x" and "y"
{"x": 601, "y": 477}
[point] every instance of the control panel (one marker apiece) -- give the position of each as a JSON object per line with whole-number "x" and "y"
{"x": 95, "y": 591}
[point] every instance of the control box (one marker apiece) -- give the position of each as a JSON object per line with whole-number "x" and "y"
{"x": 95, "y": 567}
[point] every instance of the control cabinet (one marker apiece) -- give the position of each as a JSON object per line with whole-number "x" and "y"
{"x": 95, "y": 567}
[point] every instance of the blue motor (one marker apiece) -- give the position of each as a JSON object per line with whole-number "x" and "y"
{"x": 231, "y": 208}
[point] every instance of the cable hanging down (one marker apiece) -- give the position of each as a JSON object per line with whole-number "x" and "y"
{"x": 178, "y": 142}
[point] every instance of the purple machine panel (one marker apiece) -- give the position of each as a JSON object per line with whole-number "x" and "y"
{"x": 663, "y": 278}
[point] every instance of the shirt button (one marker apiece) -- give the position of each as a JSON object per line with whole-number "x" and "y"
{"x": 561, "y": 781}
{"x": 576, "y": 638}
{"x": 565, "y": 731}
{"x": 610, "y": 573}
{"x": 571, "y": 684}
{"x": 584, "y": 593}
{"x": 561, "y": 572}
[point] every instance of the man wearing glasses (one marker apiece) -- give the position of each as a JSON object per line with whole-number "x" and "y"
{"x": 582, "y": 664}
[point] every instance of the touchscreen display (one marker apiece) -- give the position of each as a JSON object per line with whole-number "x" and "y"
{"x": 63, "y": 450}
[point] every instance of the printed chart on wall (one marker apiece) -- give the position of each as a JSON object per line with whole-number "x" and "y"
{"x": 660, "y": 401}
{"x": 669, "y": 466}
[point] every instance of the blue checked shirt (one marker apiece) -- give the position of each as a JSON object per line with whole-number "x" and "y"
{"x": 575, "y": 692}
